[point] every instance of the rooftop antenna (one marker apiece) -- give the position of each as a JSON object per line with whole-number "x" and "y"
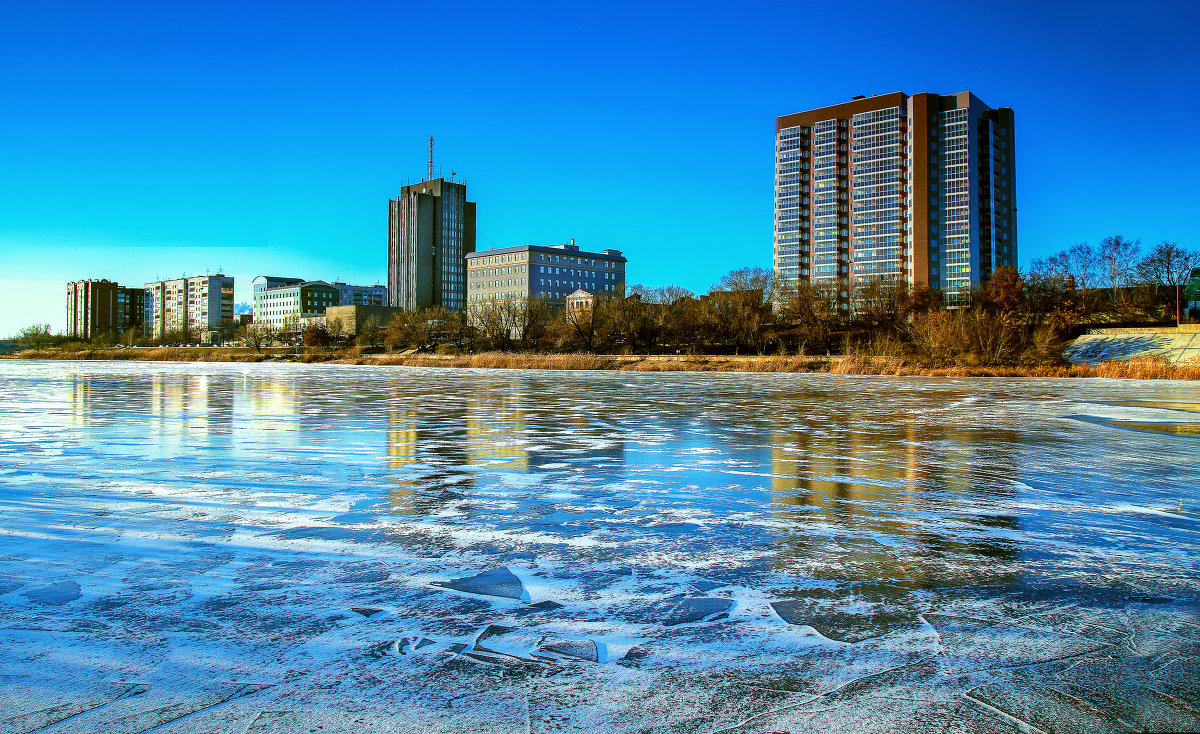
{"x": 430, "y": 177}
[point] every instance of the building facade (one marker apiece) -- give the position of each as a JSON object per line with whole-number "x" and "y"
{"x": 550, "y": 272}
{"x": 199, "y": 308}
{"x": 431, "y": 229}
{"x": 361, "y": 295}
{"x": 349, "y": 321}
{"x": 259, "y": 288}
{"x": 97, "y": 307}
{"x": 919, "y": 189}
{"x": 285, "y": 303}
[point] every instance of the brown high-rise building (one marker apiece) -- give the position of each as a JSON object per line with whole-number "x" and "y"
{"x": 97, "y": 307}
{"x": 431, "y": 230}
{"x": 919, "y": 189}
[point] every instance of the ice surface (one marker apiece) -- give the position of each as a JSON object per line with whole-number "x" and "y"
{"x": 496, "y": 582}
{"x": 277, "y": 548}
{"x": 53, "y": 595}
{"x": 582, "y": 649}
{"x": 685, "y": 609}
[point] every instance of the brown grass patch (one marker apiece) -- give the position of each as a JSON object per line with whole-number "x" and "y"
{"x": 857, "y": 363}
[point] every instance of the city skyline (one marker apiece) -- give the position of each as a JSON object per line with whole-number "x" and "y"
{"x": 139, "y": 151}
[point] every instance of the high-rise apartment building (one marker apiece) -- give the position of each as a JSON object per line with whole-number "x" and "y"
{"x": 102, "y": 307}
{"x": 199, "y": 308}
{"x": 550, "y": 272}
{"x": 431, "y": 229}
{"x": 919, "y": 189}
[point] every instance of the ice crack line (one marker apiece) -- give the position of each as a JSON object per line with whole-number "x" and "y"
{"x": 820, "y": 696}
{"x": 1004, "y": 716}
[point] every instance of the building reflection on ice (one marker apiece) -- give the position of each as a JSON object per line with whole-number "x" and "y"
{"x": 439, "y": 448}
{"x": 180, "y": 414}
{"x": 853, "y": 499}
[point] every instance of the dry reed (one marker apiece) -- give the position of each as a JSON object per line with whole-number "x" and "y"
{"x": 856, "y": 363}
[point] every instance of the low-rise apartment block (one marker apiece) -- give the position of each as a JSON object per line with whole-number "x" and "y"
{"x": 284, "y": 303}
{"x": 97, "y": 307}
{"x": 550, "y": 272}
{"x": 199, "y": 308}
{"x": 361, "y": 295}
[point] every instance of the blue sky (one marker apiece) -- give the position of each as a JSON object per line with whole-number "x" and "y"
{"x": 146, "y": 140}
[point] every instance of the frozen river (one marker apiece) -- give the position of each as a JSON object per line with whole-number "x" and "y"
{"x": 290, "y": 548}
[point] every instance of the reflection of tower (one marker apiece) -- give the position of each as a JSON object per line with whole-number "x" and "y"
{"x": 269, "y": 410}
{"x": 427, "y": 467}
{"x": 497, "y": 434}
{"x": 401, "y": 452}
{"x": 79, "y": 391}
{"x": 186, "y": 410}
{"x": 877, "y": 479}
{"x": 513, "y": 429}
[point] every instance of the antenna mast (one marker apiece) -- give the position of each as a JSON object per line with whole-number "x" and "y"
{"x": 430, "y": 175}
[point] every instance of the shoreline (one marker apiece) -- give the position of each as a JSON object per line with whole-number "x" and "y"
{"x": 1139, "y": 368}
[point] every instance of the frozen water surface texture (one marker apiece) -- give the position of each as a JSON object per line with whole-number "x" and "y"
{"x": 290, "y": 548}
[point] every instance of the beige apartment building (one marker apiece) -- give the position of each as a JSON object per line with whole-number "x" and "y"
{"x": 203, "y": 303}
{"x": 551, "y": 272}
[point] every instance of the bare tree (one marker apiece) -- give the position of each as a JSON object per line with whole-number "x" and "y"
{"x": 1083, "y": 264}
{"x": 680, "y": 316}
{"x": 291, "y": 327}
{"x": 811, "y": 310}
{"x": 370, "y": 332}
{"x": 739, "y": 307}
{"x": 35, "y": 336}
{"x": 490, "y": 319}
{"x": 257, "y": 334}
{"x": 590, "y": 324}
{"x": 316, "y": 335}
{"x": 337, "y": 329}
{"x": 1118, "y": 259}
{"x": 461, "y": 332}
{"x": 880, "y": 303}
{"x": 526, "y": 319}
{"x": 1168, "y": 264}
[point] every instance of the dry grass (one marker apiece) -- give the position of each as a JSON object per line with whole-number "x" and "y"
{"x": 511, "y": 360}
{"x": 161, "y": 354}
{"x": 1140, "y": 368}
{"x": 857, "y": 363}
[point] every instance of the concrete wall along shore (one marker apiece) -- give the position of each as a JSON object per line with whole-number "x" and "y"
{"x": 1178, "y": 344}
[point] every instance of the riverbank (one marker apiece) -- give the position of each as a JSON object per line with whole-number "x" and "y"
{"x": 1152, "y": 368}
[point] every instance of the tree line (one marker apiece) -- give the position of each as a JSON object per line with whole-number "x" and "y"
{"x": 1014, "y": 317}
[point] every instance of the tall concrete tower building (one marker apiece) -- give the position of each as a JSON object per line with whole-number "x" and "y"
{"x": 431, "y": 230}
{"x": 920, "y": 189}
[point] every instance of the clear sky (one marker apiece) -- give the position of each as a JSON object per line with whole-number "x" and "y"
{"x": 148, "y": 140}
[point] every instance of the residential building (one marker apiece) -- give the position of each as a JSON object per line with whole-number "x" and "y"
{"x": 551, "y": 272}
{"x": 199, "y": 308}
{"x": 915, "y": 188}
{"x": 284, "y": 303}
{"x": 431, "y": 228}
{"x": 260, "y": 285}
{"x": 97, "y": 307}
{"x": 361, "y": 295}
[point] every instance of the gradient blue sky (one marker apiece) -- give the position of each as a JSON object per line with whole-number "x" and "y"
{"x": 147, "y": 140}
